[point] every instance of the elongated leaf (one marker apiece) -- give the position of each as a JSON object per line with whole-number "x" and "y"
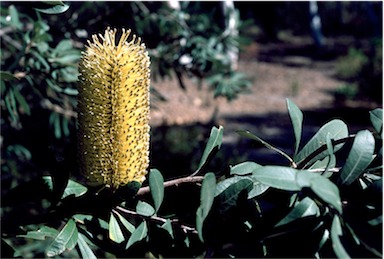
{"x": 228, "y": 198}
{"x": 64, "y": 240}
{"x": 207, "y": 196}
{"x": 72, "y": 187}
{"x": 115, "y": 233}
{"x": 376, "y": 117}
{"x": 128, "y": 225}
{"x": 335, "y": 129}
{"x": 139, "y": 234}
{"x": 297, "y": 122}
{"x": 41, "y": 234}
{"x": 7, "y": 76}
{"x": 156, "y": 185}
{"x": 327, "y": 191}
{"x": 23, "y": 103}
{"x": 279, "y": 177}
{"x": 257, "y": 189}
{"x": 57, "y": 9}
{"x": 249, "y": 135}
{"x": 336, "y": 232}
{"x": 359, "y": 158}
{"x": 145, "y": 209}
{"x": 214, "y": 141}
{"x": 168, "y": 227}
{"x": 85, "y": 250}
{"x": 306, "y": 207}
{"x": 244, "y": 168}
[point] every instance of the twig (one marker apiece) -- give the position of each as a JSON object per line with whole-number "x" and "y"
{"x": 158, "y": 219}
{"x": 188, "y": 179}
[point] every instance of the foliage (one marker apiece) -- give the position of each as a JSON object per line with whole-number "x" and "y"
{"x": 253, "y": 210}
{"x": 363, "y": 69}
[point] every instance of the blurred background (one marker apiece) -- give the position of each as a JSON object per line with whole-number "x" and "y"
{"x": 213, "y": 63}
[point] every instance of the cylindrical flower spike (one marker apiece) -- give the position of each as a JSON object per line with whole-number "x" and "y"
{"x": 113, "y": 110}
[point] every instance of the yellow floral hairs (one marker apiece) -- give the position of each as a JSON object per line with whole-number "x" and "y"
{"x": 113, "y": 110}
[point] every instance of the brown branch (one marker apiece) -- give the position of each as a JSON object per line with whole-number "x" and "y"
{"x": 188, "y": 179}
{"x": 158, "y": 219}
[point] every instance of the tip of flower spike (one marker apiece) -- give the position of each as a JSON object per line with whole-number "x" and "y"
{"x": 114, "y": 109}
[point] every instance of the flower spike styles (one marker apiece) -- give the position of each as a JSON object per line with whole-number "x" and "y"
{"x": 113, "y": 110}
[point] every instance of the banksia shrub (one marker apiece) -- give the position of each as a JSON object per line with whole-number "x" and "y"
{"x": 113, "y": 110}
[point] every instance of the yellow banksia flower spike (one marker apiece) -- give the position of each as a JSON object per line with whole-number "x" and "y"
{"x": 113, "y": 110}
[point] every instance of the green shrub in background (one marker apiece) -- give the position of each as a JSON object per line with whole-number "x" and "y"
{"x": 363, "y": 69}
{"x": 319, "y": 205}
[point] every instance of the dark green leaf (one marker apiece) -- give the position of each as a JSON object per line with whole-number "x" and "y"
{"x": 228, "y": 198}
{"x": 244, "y": 168}
{"x": 145, "y": 209}
{"x": 57, "y": 9}
{"x": 249, "y": 135}
{"x": 156, "y": 185}
{"x": 66, "y": 60}
{"x": 336, "y": 129}
{"x": 85, "y": 250}
{"x": 168, "y": 227}
{"x": 207, "y": 196}
{"x": 297, "y": 122}
{"x": 377, "y": 120}
{"x": 279, "y": 177}
{"x": 23, "y": 103}
{"x": 139, "y": 234}
{"x": 72, "y": 187}
{"x": 7, "y": 76}
{"x": 336, "y": 232}
{"x": 115, "y": 233}
{"x": 64, "y": 240}
{"x": 306, "y": 207}
{"x": 359, "y": 158}
{"x": 214, "y": 141}
{"x": 41, "y": 59}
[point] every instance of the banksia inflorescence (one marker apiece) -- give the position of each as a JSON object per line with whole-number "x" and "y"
{"x": 113, "y": 110}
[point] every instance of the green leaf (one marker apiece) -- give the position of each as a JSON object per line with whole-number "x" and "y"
{"x": 297, "y": 122}
{"x": 376, "y": 117}
{"x": 21, "y": 100}
{"x": 326, "y": 190}
{"x": 145, "y": 209}
{"x": 306, "y": 207}
{"x": 228, "y": 198}
{"x": 139, "y": 234}
{"x": 41, "y": 59}
{"x": 336, "y": 129}
{"x": 66, "y": 60}
{"x": 41, "y": 234}
{"x": 7, "y": 76}
{"x": 115, "y": 233}
{"x": 168, "y": 227}
{"x": 57, "y": 9}
{"x": 62, "y": 46}
{"x": 156, "y": 185}
{"x": 64, "y": 240}
{"x": 249, "y": 135}
{"x": 207, "y": 195}
{"x": 359, "y": 158}
{"x": 130, "y": 227}
{"x": 244, "y": 168}
{"x": 85, "y": 250}
{"x": 336, "y": 232}
{"x": 15, "y": 21}
{"x": 72, "y": 187}
{"x": 214, "y": 142}
{"x": 279, "y": 177}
